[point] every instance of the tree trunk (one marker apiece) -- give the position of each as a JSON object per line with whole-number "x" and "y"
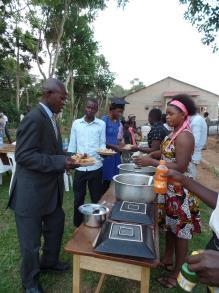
{"x": 106, "y": 104}
{"x": 71, "y": 96}
{"x": 37, "y": 55}
{"x": 18, "y": 76}
{"x": 27, "y": 96}
{"x": 76, "y": 109}
{"x": 58, "y": 43}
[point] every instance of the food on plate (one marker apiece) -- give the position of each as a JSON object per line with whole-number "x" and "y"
{"x": 127, "y": 147}
{"x": 106, "y": 152}
{"x": 83, "y": 159}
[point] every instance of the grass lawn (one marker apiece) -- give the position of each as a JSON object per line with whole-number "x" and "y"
{"x": 57, "y": 283}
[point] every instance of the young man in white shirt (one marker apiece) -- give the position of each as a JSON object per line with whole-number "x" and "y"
{"x": 199, "y": 130}
{"x": 87, "y": 135}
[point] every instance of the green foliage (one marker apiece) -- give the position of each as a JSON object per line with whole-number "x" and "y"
{"x": 118, "y": 91}
{"x": 136, "y": 85}
{"x": 204, "y": 15}
{"x": 31, "y": 31}
{"x": 28, "y": 86}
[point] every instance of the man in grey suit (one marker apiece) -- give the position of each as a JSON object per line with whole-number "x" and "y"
{"x": 37, "y": 189}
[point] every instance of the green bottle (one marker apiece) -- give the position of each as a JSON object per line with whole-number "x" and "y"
{"x": 213, "y": 289}
{"x": 187, "y": 280}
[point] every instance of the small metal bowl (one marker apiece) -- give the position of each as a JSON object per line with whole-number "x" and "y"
{"x": 93, "y": 214}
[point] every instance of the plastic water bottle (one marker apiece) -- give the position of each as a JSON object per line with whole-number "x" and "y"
{"x": 1, "y": 136}
{"x": 65, "y": 144}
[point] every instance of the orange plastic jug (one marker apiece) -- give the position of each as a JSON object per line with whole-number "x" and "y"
{"x": 160, "y": 182}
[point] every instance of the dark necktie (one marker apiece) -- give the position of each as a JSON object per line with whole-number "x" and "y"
{"x": 53, "y": 119}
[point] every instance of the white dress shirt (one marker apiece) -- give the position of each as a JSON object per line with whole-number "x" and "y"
{"x": 199, "y": 130}
{"x": 87, "y": 138}
{"x": 51, "y": 116}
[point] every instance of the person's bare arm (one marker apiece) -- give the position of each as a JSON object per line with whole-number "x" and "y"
{"x": 156, "y": 154}
{"x": 208, "y": 196}
{"x": 184, "y": 141}
{"x": 115, "y": 147}
{"x": 155, "y": 145}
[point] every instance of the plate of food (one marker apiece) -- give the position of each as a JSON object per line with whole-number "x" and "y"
{"x": 84, "y": 160}
{"x": 106, "y": 152}
{"x": 127, "y": 147}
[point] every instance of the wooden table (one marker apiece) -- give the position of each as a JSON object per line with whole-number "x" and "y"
{"x": 85, "y": 258}
{"x": 7, "y": 148}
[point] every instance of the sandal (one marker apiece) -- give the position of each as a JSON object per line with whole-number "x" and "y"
{"x": 168, "y": 282}
{"x": 168, "y": 267}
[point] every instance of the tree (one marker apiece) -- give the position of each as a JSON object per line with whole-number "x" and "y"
{"x": 63, "y": 29}
{"x": 118, "y": 91}
{"x": 58, "y": 31}
{"x": 8, "y": 71}
{"x": 136, "y": 84}
{"x": 17, "y": 45}
{"x": 204, "y": 14}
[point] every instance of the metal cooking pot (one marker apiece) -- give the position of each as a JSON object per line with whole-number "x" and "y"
{"x": 132, "y": 168}
{"x": 93, "y": 214}
{"x": 134, "y": 187}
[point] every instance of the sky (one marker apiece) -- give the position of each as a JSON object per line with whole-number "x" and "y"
{"x": 150, "y": 40}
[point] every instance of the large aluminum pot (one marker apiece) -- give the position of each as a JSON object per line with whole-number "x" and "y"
{"x": 93, "y": 214}
{"x": 134, "y": 187}
{"x": 132, "y": 168}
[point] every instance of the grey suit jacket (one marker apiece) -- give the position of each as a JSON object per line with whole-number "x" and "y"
{"x": 38, "y": 182}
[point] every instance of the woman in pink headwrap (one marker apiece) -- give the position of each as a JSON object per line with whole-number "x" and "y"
{"x": 178, "y": 208}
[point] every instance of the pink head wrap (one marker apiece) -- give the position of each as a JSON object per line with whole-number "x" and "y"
{"x": 185, "y": 125}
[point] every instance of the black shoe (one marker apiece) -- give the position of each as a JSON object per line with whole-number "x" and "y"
{"x": 59, "y": 267}
{"x": 37, "y": 289}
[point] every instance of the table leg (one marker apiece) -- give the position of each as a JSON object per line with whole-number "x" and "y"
{"x": 145, "y": 280}
{"x": 76, "y": 274}
{"x": 100, "y": 284}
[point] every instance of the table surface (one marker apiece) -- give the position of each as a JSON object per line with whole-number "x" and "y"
{"x": 83, "y": 238}
{"x": 7, "y": 148}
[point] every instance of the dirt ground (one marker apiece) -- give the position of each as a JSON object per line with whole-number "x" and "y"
{"x": 208, "y": 178}
{"x": 211, "y": 154}
{"x": 205, "y": 175}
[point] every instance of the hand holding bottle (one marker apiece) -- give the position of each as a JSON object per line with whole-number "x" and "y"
{"x": 160, "y": 181}
{"x": 206, "y": 266}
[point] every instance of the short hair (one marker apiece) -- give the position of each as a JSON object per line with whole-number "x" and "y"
{"x": 93, "y": 100}
{"x": 163, "y": 117}
{"x": 155, "y": 114}
{"x": 52, "y": 84}
{"x": 187, "y": 101}
{"x": 116, "y": 106}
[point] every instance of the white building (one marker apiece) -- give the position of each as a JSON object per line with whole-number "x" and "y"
{"x": 158, "y": 94}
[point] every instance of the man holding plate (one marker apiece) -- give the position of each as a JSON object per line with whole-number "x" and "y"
{"x": 37, "y": 189}
{"x": 87, "y": 136}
